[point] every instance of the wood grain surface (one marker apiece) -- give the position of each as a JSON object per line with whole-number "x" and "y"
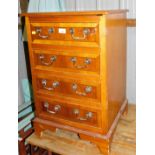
{"x": 67, "y": 143}
{"x": 124, "y": 140}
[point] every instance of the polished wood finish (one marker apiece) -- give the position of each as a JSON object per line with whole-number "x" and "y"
{"x": 74, "y": 13}
{"x": 116, "y": 83}
{"x": 66, "y": 112}
{"x": 65, "y": 87}
{"x": 123, "y": 143}
{"x": 96, "y": 88}
{"x": 43, "y": 61}
{"x": 101, "y": 140}
{"x": 56, "y": 35}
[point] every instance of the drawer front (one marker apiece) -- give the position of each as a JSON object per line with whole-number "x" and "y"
{"x": 53, "y": 110}
{"x": 67, "y": 87}
{"x": 84, "y": 32}
{"x": 49, "y": 61}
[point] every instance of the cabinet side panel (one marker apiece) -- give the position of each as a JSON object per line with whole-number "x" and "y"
{"x": 116, "y": 63}
{"x": 103, "y": 73}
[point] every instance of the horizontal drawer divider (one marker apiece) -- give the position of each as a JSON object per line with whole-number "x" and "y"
{"x": 68, "y": 71}
{"x": 89, "y": 103}
{"x": 65, "y": 48}
{"x": 66, "y": 43}
{"x": 90, "y": 54}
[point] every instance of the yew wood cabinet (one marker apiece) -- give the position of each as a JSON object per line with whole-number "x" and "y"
{"x": 78, "y": 65}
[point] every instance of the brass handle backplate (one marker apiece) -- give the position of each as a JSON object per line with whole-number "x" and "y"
{"x": 57, "y": 108}
{"x": 86, "y": 32}
{"x": 87, "y": 61}
{"x": 54, "y": 85}
{"x": 52, "y": 59}
{"x": 88, "y": 89}
{"x": 39, "y": 30}
{"x": 88, "y": 115}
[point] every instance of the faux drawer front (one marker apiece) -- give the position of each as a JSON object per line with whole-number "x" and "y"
{"x": 83, "y": 32}
{"x": 68, "y": 62}
{"x": 71, "y": 88}
{"x": 53, "y": 110}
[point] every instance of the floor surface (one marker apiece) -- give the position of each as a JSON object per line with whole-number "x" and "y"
{"x": 124, "y": 140}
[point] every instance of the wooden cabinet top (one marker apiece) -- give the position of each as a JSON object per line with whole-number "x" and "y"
{"x": 75, "y": 13}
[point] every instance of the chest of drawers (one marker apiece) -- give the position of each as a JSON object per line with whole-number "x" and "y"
{"x": 78, "y": 65}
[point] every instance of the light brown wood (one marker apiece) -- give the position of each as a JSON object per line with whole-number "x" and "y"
{"x": 75, "y": 13}
{"x": 123, "y": 143}
{"x": 66, "y": 112}
{"x": 60, "y": 36}
{"x": 66, "y": 88}
{"x": 99, "y": 107}
{"x": 116, "y": 75}
{"x": 43, "y": 60}
{"x": 131, "y": 22}
{"x": 63, "y": 145}
{"x": 124, "y": 140}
